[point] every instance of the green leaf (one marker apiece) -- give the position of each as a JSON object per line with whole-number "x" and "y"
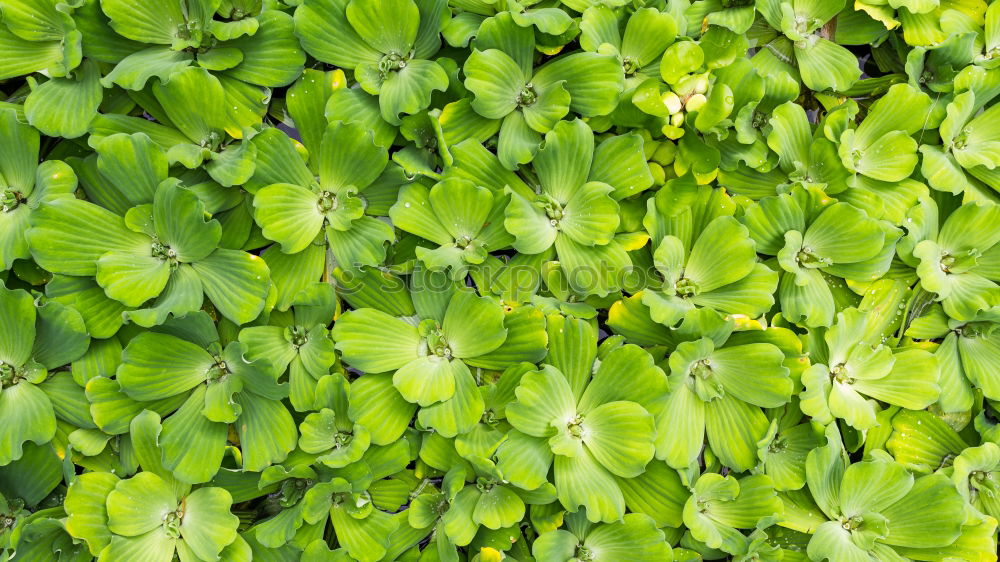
{"x": 409, "y": 90}
{"x": 207, "y": 526}
{"x": 144, "y": 431}
{"x": 156, "y": 545}
{"x": 377, "y": 405}
{"x": 362, "y": 244}
{"x": 806, "y": 298}
{"x": 134, "y": 161}
{"x": 65, "y": 106}
{"x": 236, "y": 282}
{"x": 60, "y": 336}
{"x": 831, "y": 540}
{"x": 365, "y": 539}
{"x": 720, "y": 505}
{"x": 413, "y": 213}
{"x": 461, "y": 207}
{"x": 544, "y": 398}
{"x": 266, "y": 430}
{"x": 428, "y": 379}
{"x": 349, "y": 158}
{"x": 132, "y": 280}
{"x": 723, "y": 254}
{"x": 25, "y": 415}
{"x": 770, "y": 386}
{"x": 326, "y": 34}
{"x": 26, "y": 57}
{"x": 86, "y": 508}
{"x": 157, "y": 366}
{"x": 913, "y": 527}
{"x": 182, "y": 294}
{"x": 890, "y": 158}
{"x": 193, "y": 99}
{"x": 533, "y": 232}
{"x": 17, "y": 326}
{"x": 825, "y": 65}
{"x": 192, "y": 445}
{"x": 843, "y": 234}
{"x": 473, "y": 325}
{"x": 647, "y": 33}
{"x": 594, "y": 82}
{"x": 496, "y": 82}
{"x": 233, "y": 165}
{"x": 374, "y": 341}
{"x": 733, "y": 428}
{"x": 592, "y": 270}
{"x": 524, "y": 460}
{"x": 619, "y": 162}
{"x": 278, "y": 161}
{"x": 397, "y": 27}
{"x": 563, "y": 164}
{"x": 912, "y": 383}
{"x": 68, "y": 236}
{"x": 498, "y": 507}
{"x": 591, "y": 215}
{"x": 460, "y": 413}
{"x": 139, "y": 505}
{"x": 582, "y": 482}
{"x": 289, "y": 215}
{"x": 619, "y": 435}
{"x": 657, "y": 492}
{"x": 635, "y": 537}
{"x": 135, "y": 70}
{"x": 271, "y": 57}
{"x": 145, "y": 23}
{"x": 873, "y": 485}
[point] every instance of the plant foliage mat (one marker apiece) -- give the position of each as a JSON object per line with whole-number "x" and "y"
{"x": 482, "y": 280}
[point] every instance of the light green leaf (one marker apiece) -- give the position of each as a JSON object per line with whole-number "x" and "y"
{"x": 397, "y": 25}
{"x": 207, "y": 526}
{"x": 473, "y": 325}
{"x": 65, "y": 106}
{"x": 236, "y": 282}
{"x": 427, "y": 380}
{"x": 582, "y": 482}
{"x": 139, "y": 505}
{"x": 723, "y": 254}
{"x": 825, "y": 65}
{"x": 619, "y": 434}
{"x": 362, "y": 244}
{"x": 496, "y": 82}
{"x": 544, "y": 398}
{"x": 349, "y": 158}
{"x": 289, "y": 215}
{"x": 192, "y": 445}
{"x": 68, "y": 236}
{"x": 733, "y": 428}
{"x": 595, "y": 82}
{"x": 86, "y": 508}
{"x": 157, "y": 366}
{"x": 533, "y": 232}
{"x": 591, "y": 215}
{"x": 564, "y": 163}
{"x": 498, "y": 507}
{"x": 409, "y": 90}
{"x": 17, "y": 326}
{"x": 461, "y": 412}
{"x": 374, "y": 341}
{"x": 135, "y": 70}
{"x": 193, "y": 100}
{"x": 25, "y": 415}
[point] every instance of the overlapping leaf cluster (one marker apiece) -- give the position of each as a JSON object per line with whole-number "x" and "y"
{"x": 478, "y": 280}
